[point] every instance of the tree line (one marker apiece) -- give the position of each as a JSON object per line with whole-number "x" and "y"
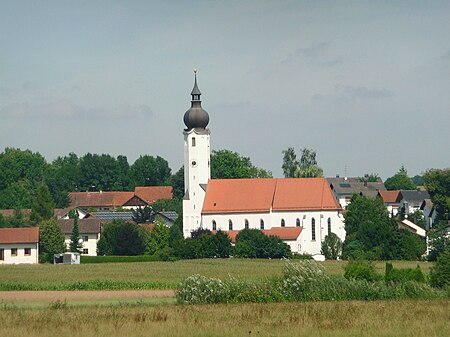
{"x": 23, "y": 171}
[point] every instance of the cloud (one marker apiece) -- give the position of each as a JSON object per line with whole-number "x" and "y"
{"x": 317, "y": 53}
{"x": 65, "y": 109}
{"x": 367, "y": 93}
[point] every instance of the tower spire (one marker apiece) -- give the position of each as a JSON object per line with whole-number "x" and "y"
{"x": 196, "y": 117}
{"x": 195, "y": 91}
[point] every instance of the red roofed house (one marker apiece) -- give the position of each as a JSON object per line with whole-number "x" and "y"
{"x": 278, "y": 205}
{"x": 107, "y": 201}
{"x": 391, "y": 201}
{"x": 19, "y": 245}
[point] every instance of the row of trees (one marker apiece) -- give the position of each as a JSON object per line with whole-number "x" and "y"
{"x": 22, "y": 172}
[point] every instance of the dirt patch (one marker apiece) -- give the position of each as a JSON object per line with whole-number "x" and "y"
{"x": 25, "y": 296}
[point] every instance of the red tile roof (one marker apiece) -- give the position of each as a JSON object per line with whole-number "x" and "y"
{"x": 304, "y": 194}
{"x": 261, "y": 195}
{"x": 284, "y": 233}
{"x": 149, "y": 194}
{"x": 19, "y": 235}
{"x": 390, "y": 196}
{"x": 85, "y": 226}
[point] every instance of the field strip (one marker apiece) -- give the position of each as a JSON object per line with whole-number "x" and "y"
{"x": 30, "y": 296}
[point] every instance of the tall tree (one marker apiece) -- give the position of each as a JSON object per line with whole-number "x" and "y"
{"x": 226, "y": 164}
{"x": 290, "y": 163}
{"x": 75, "y": 239}
{"x": 400, "y": 181}
{"x": 150, "y": 171}
{"x": 177, "y": 182}
{"x": 43, "y": 205}
{"x": 51, "y": 240}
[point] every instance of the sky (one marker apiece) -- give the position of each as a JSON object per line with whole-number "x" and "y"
{"x": 366, "y": 84}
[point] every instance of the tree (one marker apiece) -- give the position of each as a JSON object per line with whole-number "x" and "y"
{"x": 75, "y": 239}
{"x": 159, "y": 239}
{"x": 290, "y": 163}
{"x": 440, "y": 272}
{"x": 369, "y": 230}
{"x": 43, "y": 205}
{"x": 143, "y": 215}
{"x": 252, "y": 243}
{"x": 121, "y": 238}
{"x": 307, "y": 167}
{"x": 150, "y": 171}
{"x": 177, "y": 182}
{"x": 400, "y": 181}
{"x": 331, "y": 246}
{"x": 226, "y": 164}
{"x": 437, "y": 183}
{"x": 51, "y": 240}
{"x": 18, "y": 195}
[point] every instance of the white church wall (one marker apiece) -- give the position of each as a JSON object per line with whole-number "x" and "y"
{"x": 238, "y": 219}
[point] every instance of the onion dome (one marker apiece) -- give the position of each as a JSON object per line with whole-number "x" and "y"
{"x": 196, "y": 117}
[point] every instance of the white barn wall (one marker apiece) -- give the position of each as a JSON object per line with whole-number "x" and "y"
{"x": 20, "y": 258}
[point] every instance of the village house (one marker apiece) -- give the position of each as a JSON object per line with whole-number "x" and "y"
{"x": 19, "y": 245}
{"x": 89, "y": 229}
{"x": 109, "y": 201}
{"x": 410, "y": 201}
{"x": 391, "y": 201}
{"x": 345, "y": 188}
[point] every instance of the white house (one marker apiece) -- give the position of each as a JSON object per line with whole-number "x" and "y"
{"x": 266, "y": 204}
{"x": 19, "y": 245}
{"x": 89, "y": 229}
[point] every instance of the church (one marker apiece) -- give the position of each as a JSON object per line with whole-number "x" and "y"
{"x": 301, "y": 211}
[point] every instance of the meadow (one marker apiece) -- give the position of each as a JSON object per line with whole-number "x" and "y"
{"x": 348, "y": 318}
{"x": 152, "y": 275}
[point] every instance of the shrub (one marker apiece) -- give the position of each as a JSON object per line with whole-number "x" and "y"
{"x": 440, "y": 272}
{"x": 361, "y": 270}
{"x": 403, "y": 274}
{"x": 331, "y": 247}
{"x": 200, "y": 289}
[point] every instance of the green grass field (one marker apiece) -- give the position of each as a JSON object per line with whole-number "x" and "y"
{"x": 352, "y": 318}
{"x": 153, "y": 275}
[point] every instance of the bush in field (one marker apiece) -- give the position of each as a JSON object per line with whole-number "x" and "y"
{"x": 331, "y": 246}
{"x": 254, "y": 244}
{"x": 403, "y": 274}
{"x": 440, "y": 273}
{"x": 201, "y": 289}
{"x": 204, "y": 244}
{"x": 361, "y": 270}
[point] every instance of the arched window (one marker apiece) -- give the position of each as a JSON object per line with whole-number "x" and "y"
{"x": 193, "y": 141}
{"x": 246, "y": 224}
{"x": 214, "y": 225}
{"x": 230, "y": 225}
{"x": 313, "y": 229}
{"x": 283, "y": 223}
{"x": 297, "y": 222}
{"x": 329, "y": 226}
{"x": 261, "y": 224}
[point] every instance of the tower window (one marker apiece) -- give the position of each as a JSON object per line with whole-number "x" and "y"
{"x": 246, "y": 224}
{"x": 230, "y": 225}
{"x": 261, "y": 224}
{"x": 329, "y": 226}
{"x": 283, "y": 223}
{"x": 313, "y": 229}
{"x": 297, "y": 222}
{"x": 214, "y": 225}
{"x": 193, "y": 141}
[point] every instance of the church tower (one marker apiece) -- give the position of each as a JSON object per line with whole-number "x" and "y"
{"x": 197, "y": 153}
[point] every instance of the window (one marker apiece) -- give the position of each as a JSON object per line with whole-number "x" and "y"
{"x": 13, "y": 251}
{"x": 214, "y": 225}
{"x": 261, "y": 224}
{"x": 193, "y": 141}
{"x": 230, "y": 225}
{"x": 329, "y": 226}
{"x": 246, "y": 224}
{"x": 283, "y": 223}
{"x": 297, "y": 222}
{"x": 313, "y": 229}
{"x": 85, "y": 251}
{"x": 85, "y": 238}
{"x": 27, "y": 251}
{"x": 2, "y": 254}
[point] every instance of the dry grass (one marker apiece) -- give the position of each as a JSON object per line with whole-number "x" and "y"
{"x": 387, "y": 318}
{"x": 169, "y": 273}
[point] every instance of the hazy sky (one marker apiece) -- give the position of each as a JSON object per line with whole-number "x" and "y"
{"x": 365, "y": 84}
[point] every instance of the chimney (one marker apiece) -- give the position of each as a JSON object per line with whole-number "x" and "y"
{"x": 366, "y": 179}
